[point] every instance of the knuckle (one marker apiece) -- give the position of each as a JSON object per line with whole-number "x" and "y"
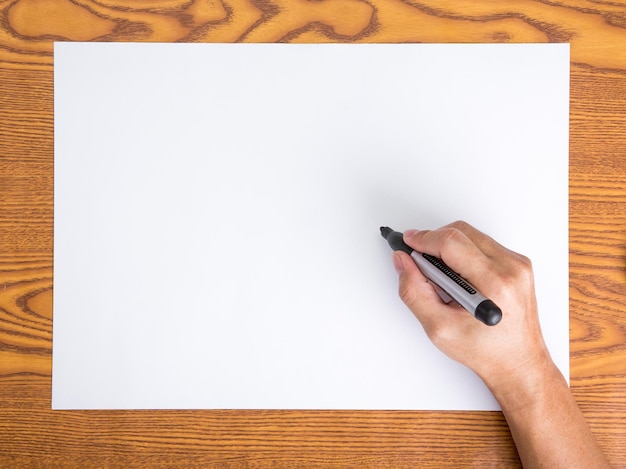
{"x": 523, "y": 269}
{"x": 460, "y": 225}
{"x": 451, "y": 234}
{"x": 525, "y": 261}
{"x": 406, "y": 293}
{"x": 517, "y": 275}
{"x": 438, "y": 333}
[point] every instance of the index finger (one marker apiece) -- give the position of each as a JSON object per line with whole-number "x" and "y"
{"x": 458, "y": 250}
{"x": 489, "y": 246}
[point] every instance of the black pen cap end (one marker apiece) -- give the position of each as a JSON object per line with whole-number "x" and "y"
{"x": 488, "y": 312}
{"x": 385, "y": 230}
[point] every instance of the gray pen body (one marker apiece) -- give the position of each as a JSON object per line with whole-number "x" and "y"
{"x": 468, "y": 297}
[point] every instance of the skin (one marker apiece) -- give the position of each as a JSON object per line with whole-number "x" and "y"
{"x": 546, "y": 424}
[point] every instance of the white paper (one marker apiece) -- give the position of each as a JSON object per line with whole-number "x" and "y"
{"x": 217, "y": 213}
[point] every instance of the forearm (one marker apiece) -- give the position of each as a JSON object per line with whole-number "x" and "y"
{"x": 546, "y": 424}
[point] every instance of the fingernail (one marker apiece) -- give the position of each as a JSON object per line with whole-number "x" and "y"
{"x": 398, "y": 264}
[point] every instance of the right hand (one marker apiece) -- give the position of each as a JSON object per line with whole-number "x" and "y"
{"x": 511, "y": 348}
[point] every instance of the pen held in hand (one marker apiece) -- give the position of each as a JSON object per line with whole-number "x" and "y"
{"x": 449, "y": 285}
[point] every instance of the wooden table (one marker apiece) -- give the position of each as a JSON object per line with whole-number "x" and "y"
{"x": 31, "y": 435}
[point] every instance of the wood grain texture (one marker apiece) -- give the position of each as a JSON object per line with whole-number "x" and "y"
{"x": 31, "y": 435}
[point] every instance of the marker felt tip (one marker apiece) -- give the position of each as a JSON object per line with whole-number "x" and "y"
{"x": 449, "y": 284}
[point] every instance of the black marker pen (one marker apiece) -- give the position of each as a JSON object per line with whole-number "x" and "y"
{"x": 449, "y": 284}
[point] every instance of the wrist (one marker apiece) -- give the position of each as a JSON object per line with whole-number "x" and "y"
{"x": 526, "y": 385}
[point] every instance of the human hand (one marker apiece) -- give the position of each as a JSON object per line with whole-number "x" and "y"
{"x": 513, "y": 347}
{"x": 510, "y": 357}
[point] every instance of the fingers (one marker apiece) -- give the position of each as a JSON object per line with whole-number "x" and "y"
{"x": 414, "y": 289}
{"x": 437, "y": 318}
{"x": 489, "y": 246}
{"x": 465, "y": 249}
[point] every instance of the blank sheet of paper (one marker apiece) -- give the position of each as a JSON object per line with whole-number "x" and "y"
{"x": 217, "y": 213}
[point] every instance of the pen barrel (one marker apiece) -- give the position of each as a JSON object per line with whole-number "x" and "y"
{"x": 457, "y": 288}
